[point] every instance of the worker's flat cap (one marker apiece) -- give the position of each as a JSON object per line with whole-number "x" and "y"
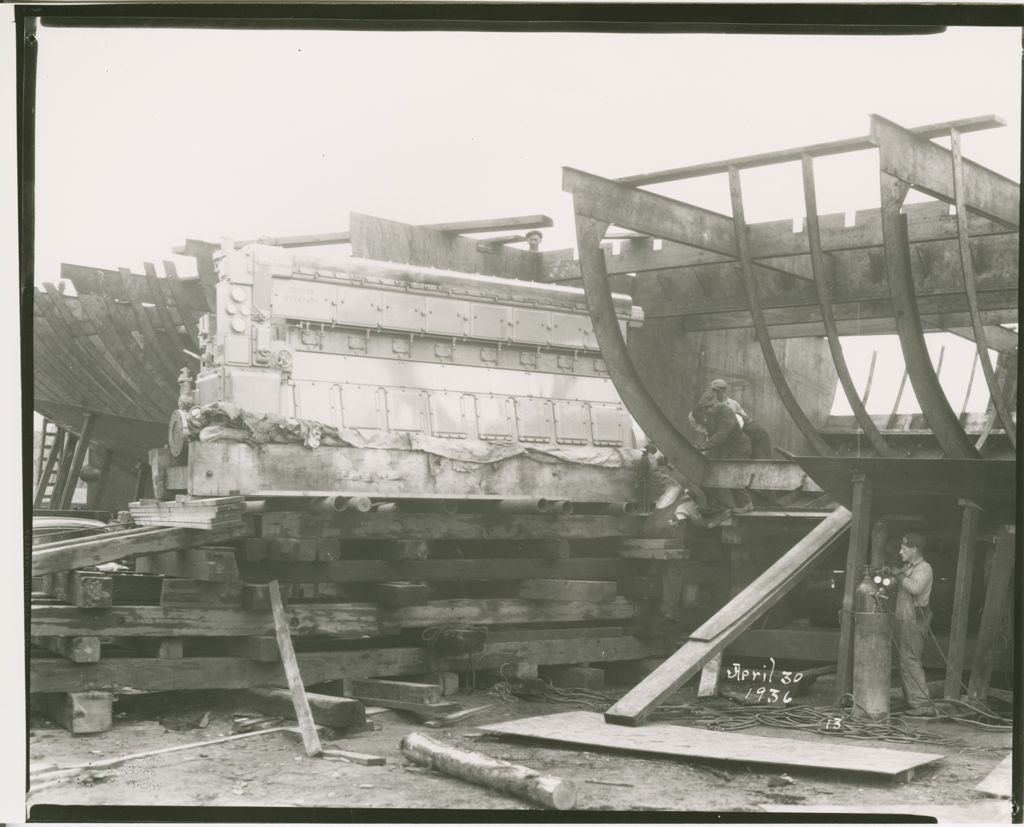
{"x": 719, "y": 383}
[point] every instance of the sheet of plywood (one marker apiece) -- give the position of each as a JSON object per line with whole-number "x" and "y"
{"x": 999, "y": 781}
{"x": 590, "y": 730}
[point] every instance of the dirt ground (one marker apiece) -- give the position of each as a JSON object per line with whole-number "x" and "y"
{"x": 272, "y": 770}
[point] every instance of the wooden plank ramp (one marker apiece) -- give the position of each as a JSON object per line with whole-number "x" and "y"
{"x": 729, "y": 623}
{"x": 998, "y": 783}
{"x": 588, "y": 729}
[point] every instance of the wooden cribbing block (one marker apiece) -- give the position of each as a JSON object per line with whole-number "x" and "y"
{"x": 328, "y": 710}
{"x": 86, "y": 590}
{"x": 653, "y": 550}
{"x": 447, "y": 682}
{"x": 78, "y": 712}
{"x": 294, "y": 524}
{"x": 583, "y": 677}
{"x": 401, "y": 594}
{"x": 328, "y": 550}
{"x": 380, "y": 690}
{"x": 256, "y": 596}
{"x": 172, "y": 648}
{"x": 554, "y": 549}
{"x": 136, "y": 589}
{"x": 179, "y": 591}
{"x": 261, "y": 648}
{"x": 587, "y": 591}
{"x": 75, "y": 649}
{"x": 209, "y": 564}
{"x": 255, "y": 549}
{"x": 408, "y": 550}
{"x": 292, "y": 549}
{"x": 506, "y": 610}
{"x": 640, "y": 587}
{"x": 492, "y": 773}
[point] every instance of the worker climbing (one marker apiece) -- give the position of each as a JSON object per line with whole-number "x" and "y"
{"x": 725, "y": 440}
{"x": 760, "y": 441}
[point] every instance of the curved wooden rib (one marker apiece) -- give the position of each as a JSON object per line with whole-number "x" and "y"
{"x": 821, "y": 283}
{"x": 761, "y": 328}
{"x": 934, "y": 404}
{"x": 970, "y": 289}
{"x": 686, "y": 459}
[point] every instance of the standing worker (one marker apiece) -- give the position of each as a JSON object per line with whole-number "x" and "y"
{"x": 726, "y": 440}
{"x": 760, "y": 441}
{"x": 914, "y": 618}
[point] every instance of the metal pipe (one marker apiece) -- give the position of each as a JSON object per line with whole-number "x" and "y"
{"x": 561, "y": 507}
{"x": 524, "y": 506}
{"x": 340, "y": 503}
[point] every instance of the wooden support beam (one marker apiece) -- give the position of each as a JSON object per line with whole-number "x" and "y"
{"x": 401, "y": 594}
{"x": 928, "y": 167}
{"x": 856, "y": 560}
{"x": 970, "y": 514}
{"x": 506, "y": 610}
{"x": 86, "y": 590}
{"x": 344, "y": 620}
{"x": 177, "y": 591}
{"x": 384, "y": 690}
{"x": 492, "y": 225}
{"x": 783, "y": 156}
{"x": 728, "y": 624}
{"x": 586, "y": 591}
{"x": 437, "y": 569}
{"x": 998, "y": 596}
{"x": 78, "y": 712}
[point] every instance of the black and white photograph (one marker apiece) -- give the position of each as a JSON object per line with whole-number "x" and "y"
{"x": 461, "y": 411}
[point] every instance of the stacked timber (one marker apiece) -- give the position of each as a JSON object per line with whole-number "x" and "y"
{"x": 368, "y": 596}
{"x": 189, "y": 512}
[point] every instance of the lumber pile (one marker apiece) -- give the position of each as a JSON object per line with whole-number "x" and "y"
{"x": 189, "y": 512}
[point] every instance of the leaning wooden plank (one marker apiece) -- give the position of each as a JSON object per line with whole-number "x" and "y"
{"x": 351, "y": 620}
{"x": 327, "y": 710}
{"x": 77, "y": 712}
{"x": 310, "y": 739}
{"x": 588, "y": 729}
{"x": 1000, "y": 781}
{"x": 781, "y": 574}
{"x": 492, "y": 773}
{"x": 741, "y": 611}
{"x": 123, "y": 545}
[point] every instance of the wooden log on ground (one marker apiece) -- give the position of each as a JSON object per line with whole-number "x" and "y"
{"x": 78, "y": 712}
{"x": 383, "y": 690}
{"x": 327, "y": 710}
{"x": 477, "y": 768}
{"x": 123, "y": 545}
{"x": 310, "y": 738}
{"x": 586, "y": 591}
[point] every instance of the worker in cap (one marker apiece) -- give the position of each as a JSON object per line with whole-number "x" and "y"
{"x": 914, "y": 617}
{"x": 760, "y": 441}
{"x": 725, "y": 440}
{"x": 534, "y": 238}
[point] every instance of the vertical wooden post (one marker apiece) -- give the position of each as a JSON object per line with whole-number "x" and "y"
{"x": 999, "y": 588}
{"x": 856, "y": 559}
{"x": 961, "y": 599}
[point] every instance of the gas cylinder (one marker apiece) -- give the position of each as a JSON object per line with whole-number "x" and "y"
{"x": 872, "y": 653}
